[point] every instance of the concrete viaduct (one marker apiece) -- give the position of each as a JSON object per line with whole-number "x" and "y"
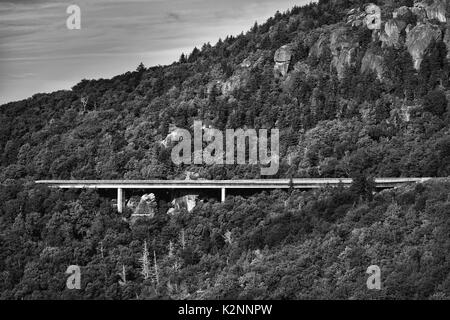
{"x": 223, "y": 185}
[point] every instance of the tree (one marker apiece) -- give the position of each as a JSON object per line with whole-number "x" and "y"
{"x": 140, "y": 68}
{"x": 362, "y": 186}
{"x": 182, "y": 58}
{"x": 195, "y": 54}
{"x": 145, "y": 262}
{"x": 435, "y": 102}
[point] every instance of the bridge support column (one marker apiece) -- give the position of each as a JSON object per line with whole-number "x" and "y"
{"x": 223, "y": 195}
{"x": 119, "y": 200}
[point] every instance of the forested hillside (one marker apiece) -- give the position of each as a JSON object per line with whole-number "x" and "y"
{"x": 349, "y": 102}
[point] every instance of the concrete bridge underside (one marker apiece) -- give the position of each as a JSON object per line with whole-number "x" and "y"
{"x": 222, "y": 185}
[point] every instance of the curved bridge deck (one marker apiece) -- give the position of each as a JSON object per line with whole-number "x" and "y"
{"x": 222, "y": 185}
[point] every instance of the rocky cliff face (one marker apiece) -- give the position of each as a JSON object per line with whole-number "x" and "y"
{"x": 413, "y": 28}
{"x": 436, "y": 10}
{"x": 431, "y": 10}
{"x": 282, "y": 60}
{"x": 343, "y": 49}
{"x": 419, "y": 39}
{"x": 447, "y": 40}
{"x": 319, "y": 48}
{"x": 241, "y": 75}
{"x": 373, "y": 62}
{"x": 236, "y": 81}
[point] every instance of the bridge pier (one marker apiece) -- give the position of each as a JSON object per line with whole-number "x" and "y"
{"x": 120, "y": 200}
{"x": 223, "y": 195}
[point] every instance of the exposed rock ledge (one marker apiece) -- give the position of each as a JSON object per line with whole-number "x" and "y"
{"x": 282, "y": 60}
{"x": 419, "y": 39}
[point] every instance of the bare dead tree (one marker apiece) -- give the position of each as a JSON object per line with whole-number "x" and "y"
{"x": 145, "y": 269}
{"x": 123, "y": 277}
{"x": 84, "y": 101}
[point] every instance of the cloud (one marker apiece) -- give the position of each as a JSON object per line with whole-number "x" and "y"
{"x": 21, "y": 76}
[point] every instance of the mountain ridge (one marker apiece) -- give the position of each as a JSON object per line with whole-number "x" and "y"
{"x": 349, "y": 102}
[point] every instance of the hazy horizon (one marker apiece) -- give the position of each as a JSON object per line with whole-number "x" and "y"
{"x": 38, "y": 54}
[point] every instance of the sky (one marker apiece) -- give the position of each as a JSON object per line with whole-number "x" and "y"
{"x": 38, "y": 53}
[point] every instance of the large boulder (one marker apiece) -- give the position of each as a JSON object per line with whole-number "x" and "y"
{"x": 373, "y": 17}
{"x": 419, "y": 39}
{"x": 173, "y": 136}
{"x": 373, "y": 62}
{"x": 147, "y": 206}
{"x": 133, "y": 203}
{"x": 390, "y": 36}
{"x": 187, "y": 203}
{"x": 282, "y": 60}
{"x": 247, "y": 63}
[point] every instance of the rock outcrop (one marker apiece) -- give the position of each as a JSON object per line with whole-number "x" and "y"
{"x": 373, "y": 17}
{"x": 247, "y": 63}
{"x": 446, "y": 40}
{"x": 403, "y": 113}
{"x": 282, "y": 60}
{"x": 419, "y": 11}
{"x": 391, "y": 34}
{"x": 319, "y": 48}
{"x": 370, "y": 17}
{"x": 401, "y": 13}
{"x": 133, "y": 203}
{"x": 189, "y": 175}
{"x": 301, "y": 69}
{"x": 241, "y": 76}
{"x": 173, "y": 137}
{"x": 147, "y": 206}
{"x": 430, "y": 10}
{"x": 373, "y": 62}
{"x": 235, "y": 82}
{"x": 343, "y": 50}
{"x": 187, "y": 203}
{"x": 419, "y": 39}
{"x": 436, "y": 10}
{"x": 355, "y": 17}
